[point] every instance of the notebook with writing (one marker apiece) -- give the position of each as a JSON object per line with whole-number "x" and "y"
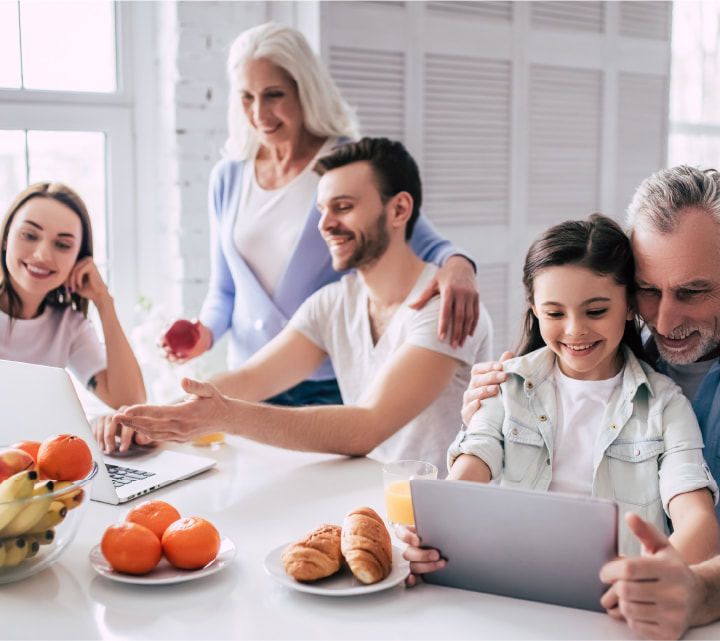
{"x": 540, "y": 546}
{"x": 39, "y": 401}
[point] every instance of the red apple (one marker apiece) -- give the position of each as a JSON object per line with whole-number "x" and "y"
{"x": 181, "y": 338}
{"x": 12, "y": 461}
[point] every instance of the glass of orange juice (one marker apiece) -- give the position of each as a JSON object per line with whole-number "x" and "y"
{"x": 216, "y": 439}
{"x": 396, "y": 479}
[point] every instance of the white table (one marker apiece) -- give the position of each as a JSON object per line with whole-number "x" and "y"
{"x": 262, "y": 497}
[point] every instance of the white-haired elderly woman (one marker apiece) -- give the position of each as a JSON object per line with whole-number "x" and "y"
{"x": 267, "y": 253}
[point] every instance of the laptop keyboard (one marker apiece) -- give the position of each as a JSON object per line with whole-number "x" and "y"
{"x": 123, "y": 475}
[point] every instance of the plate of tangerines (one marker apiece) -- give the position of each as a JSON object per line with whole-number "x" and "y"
{"x": 156, "y": 545}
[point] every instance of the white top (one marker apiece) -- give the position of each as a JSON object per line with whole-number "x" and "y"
{"x": 59, "y": 337}
{"x": 269, "y": 222}
{"x": 336, "y": 319}
{"x": 580, "y": 406}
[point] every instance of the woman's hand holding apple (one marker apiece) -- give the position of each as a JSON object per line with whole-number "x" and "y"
{"x": 185, "y": 340}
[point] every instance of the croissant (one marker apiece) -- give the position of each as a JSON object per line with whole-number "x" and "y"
{"x": 315, "y": 556}
{"x": 366, "y": 545}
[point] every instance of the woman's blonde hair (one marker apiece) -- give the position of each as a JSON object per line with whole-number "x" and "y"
{"x": 324, "y": 111}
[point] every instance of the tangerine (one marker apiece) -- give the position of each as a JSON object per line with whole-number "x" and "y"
{"x": 31, "y": 447}
{"x": 153, "y": 514}
{"x": 64, "y": 457}
{"x": 131, "y": 548}
{"x": 191, "y": 543}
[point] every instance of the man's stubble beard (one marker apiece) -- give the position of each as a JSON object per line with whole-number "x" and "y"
{"x": 372, "y": 247}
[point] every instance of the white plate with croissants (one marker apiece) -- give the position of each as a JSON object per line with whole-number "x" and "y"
{"x": 355, "y": 558}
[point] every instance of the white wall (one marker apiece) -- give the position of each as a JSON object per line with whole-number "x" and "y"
{"x": 520, "y": 114}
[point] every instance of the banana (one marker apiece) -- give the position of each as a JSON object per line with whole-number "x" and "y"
{"x": 17, "y": 550}
{"x": 73, "y": 497}
{"x": 18, "y": 486}
{"x": 54, "y": 515}
{"x": 32, "y": 512}
{"x": 32, "y": 545}
{"x": 46, "y": 537}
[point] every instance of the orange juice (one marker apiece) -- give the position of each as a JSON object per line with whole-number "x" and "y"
{"x": 212, "y": 440}
{"x": 398, "y": 503}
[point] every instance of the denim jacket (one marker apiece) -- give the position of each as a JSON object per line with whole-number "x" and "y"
{"x": 647, "y": 450}
{"x": 707, "y": 409}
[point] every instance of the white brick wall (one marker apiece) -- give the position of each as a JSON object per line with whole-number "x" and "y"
{"x": 192, "y": 42}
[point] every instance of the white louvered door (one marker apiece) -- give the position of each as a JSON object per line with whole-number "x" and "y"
{"x": 520, "y": 114}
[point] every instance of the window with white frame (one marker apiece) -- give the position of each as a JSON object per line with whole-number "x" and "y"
{"x": 67, "y": 117}
{"x": 694, "y": 137}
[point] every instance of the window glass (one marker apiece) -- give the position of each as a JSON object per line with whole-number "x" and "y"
{"x": 68, "y": 46}
{"x": 694, "y": 89}
{"x": 694, "y": 149}
{"x": 695, "y": 93}
{"x": 9, "y": 46}
{"x": 76, "y": 158}
{"x": 13, "y": 170}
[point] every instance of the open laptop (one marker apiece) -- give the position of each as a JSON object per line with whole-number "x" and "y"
{"x": 540, "y": 546}
{"x": 38, "y": 401}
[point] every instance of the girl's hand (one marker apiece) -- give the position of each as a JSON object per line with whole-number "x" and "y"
{"x": 85, "y": 280}
{"x": 110, "y": 439}
{"x": 422, "y": 560}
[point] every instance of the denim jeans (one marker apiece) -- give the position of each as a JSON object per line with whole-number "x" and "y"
{"x": 310, "y": 393}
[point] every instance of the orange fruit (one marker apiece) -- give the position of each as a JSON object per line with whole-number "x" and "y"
{"x": 31, "y": 447}
{"x": 131, "y": 548}
{"x": 191, "y": 543}
{"x": 64, "y": 457}
{"x": 154, "y": 515}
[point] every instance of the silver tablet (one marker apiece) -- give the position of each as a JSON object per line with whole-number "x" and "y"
{"x": 541, "y": 546}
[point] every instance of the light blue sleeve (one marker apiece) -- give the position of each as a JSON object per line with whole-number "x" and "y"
{"x": 219, "y": 301}
{"x": 431, "y": 247}
{"x": 483, "y": 437}
{"x": 682, "y": 466}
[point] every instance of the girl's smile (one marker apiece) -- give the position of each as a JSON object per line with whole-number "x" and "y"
{"x": 582, "y": 318}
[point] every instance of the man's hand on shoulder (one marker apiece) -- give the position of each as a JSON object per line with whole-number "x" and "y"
{"x": 459, "y": 300}
{"x": 484, "y": 381}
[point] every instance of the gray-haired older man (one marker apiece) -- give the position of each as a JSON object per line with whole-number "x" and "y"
{"x": 674, "y": 224}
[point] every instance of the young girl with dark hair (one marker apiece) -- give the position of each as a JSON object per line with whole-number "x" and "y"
{"x": 579, "y": 412}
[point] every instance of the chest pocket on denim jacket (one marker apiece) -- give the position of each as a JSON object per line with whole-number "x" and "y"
{"x": 524, "y": 447}
{"x": 634, "y": 470}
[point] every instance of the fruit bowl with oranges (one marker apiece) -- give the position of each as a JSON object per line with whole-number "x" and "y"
{"x": 44, "y": 491}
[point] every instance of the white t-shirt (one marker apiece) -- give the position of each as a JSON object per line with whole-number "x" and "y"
{"x": 269, "y": 222}
{"x": 580, "y": 409}
{"x": 336, "y": 319}
{"x": 59, "y": 337}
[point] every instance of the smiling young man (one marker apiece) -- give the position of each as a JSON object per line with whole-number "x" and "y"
{"x": 401, "y": 385}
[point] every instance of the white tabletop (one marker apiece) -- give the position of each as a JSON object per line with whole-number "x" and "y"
{"x": 262, "y": 497}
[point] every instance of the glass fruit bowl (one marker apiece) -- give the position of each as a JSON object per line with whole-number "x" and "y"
{"x": 37, "y": 530}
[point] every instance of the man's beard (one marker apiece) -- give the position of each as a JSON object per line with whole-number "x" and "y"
{"x": 370, "y": 247}
{"x": 708, "y": 342}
